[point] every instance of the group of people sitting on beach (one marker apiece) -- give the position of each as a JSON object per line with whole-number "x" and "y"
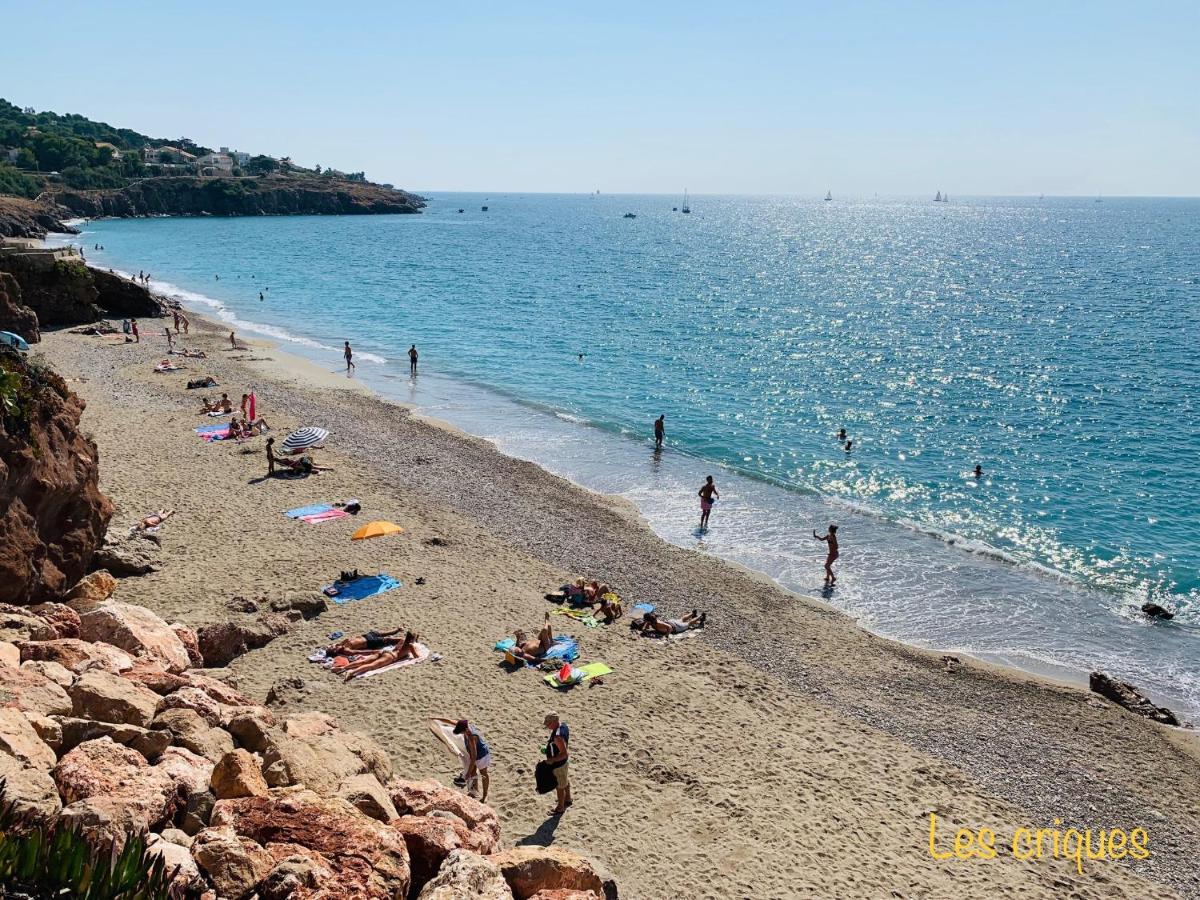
{"x": 581, "y": 593}
{"x": 372, "y": 651}
{"x": 222, "y": 406}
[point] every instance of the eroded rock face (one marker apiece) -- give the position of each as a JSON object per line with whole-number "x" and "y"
{"x": 32, "y": 791}
{"x": 237, "y": 774}
{"x": 127, "y": 554}
{"x": 188, "y": 730}
{"x": 19, "y": 740}
{"x": 52, "y": 514}
{"x": 15, "y": 316}
{"x": 420, "y": 798}
{"x": 30, "y": 691}
{"x": 466, "y": 876}
{"x": 429, "y": 841}
{"x": 368, "y": 859}
{"x": 529, "y": 870}
{"x": 76, "y": 656}
{"x": 235, "y": 864}
{"x": 137, "y": 631}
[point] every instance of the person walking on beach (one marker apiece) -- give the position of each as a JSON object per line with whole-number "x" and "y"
{"x": 170, "y": 340}
{"x": 185, "y": 322}
{"x": 137, "y": 338}
{"x": 558, "y": 759}
{"x": 175, "y": 319}
{"x": 270, "y": 456}
{"x": 660, "y": 432}
{"x": 232, "y": 340}
{"x": 479, "y": 759}
{"x": 349, "y": 354}
{"x": 831, "y": 539}
{"x": 412, "y": 360}
{"x": 708, "y": 494}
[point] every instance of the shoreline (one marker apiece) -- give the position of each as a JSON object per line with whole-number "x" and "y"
{"x": 1018, "y": 661}
{"x": 808, "y": 663}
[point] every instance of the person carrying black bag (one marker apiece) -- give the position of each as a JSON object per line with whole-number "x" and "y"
{"x": 554, "y": 770}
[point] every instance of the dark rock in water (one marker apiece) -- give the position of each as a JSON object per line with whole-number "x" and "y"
{"x": 15, "y": 316}
{"x": 21, "y": 218}
{"x": 1131, "y": 698}
{"x": 52, "y": 514}
{"x": 1154, "y": 611}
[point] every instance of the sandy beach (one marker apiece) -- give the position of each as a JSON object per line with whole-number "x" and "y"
{"x": 782, "y": 752}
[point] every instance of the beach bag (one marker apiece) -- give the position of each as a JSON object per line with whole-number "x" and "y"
{"x": 543, "y": 776}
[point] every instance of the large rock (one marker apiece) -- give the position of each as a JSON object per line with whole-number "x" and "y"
{"x": 235, "y": 864}
{"x": 530, "y": 869}
{"x": 19, "y": 740}
{"x": 52, "y": 514}
{"x": 420, "y": 798}
{"x": 430, "y": 839}
{"x": 31, "y": 791}
{"x": 190, "y": 771}
{"x": 10, "y": 655}
{"x": 74, "y": 732}
{"x": 566, "y": 895}
{"x": 1126, "y": 695}
{"x": 126, "y": 555}
{"x": 30, "y": 691}
{"x": 297, "y": 876}
{"x": 112, "y": 791}
{"x": 223, "y": 642}
{"x": 63, "y": 620}
{"x": 15, "y": 316}
{"x": 137, "y": 631}
{"x": 77, "y": 655}
{"x": 368, "y": 796}
{"x": 111, "y": 698}
{"x": 92, "y": 590}
{"x": 310, "y": 750}
{"x": 21, "y": 625}
{"x": 467, "y": 876}
{"x": 186, "y": 879}
{"x": 197, "y": 701}
{"x": 190, "y": 642}
{"x": 188, "y": 730}
{"x": 237, "y": 774}
{"x": 368, "y": 858}
{"x": 61, "y": 676}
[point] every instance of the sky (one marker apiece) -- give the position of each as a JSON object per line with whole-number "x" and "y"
{"x": 894, "y": 98}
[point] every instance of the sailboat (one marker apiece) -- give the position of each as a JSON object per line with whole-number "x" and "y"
{"x": 938, "y": 198}
{"x": 829, "y": 195}
{"x": 685, "y": 208}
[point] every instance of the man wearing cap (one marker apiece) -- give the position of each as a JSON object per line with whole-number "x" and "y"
{"x": 557, "y": 757}
{"x": 479, "y": 757}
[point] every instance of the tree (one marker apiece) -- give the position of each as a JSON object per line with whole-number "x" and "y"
{"x": 26, "y": 159}
{"x": 261, "y": 165}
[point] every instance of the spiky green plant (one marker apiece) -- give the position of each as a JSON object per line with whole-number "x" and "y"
{"x": 58, "y": 861}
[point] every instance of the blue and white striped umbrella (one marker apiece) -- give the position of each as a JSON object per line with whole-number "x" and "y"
{"x": 13, "y": 340}
{"x": 303, "y": 438}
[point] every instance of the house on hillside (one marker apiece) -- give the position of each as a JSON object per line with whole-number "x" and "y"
{"x": 113, "y": 148}
{"x": 239, "y": 158}
{"x": 168, "y": 155}
{"x": 215, "y": 164}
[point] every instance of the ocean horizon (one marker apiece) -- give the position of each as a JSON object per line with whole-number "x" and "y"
{"x": 1047, "y": 340}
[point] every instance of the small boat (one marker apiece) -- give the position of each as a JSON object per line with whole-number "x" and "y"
{"x": 685, "y": 208}
{"x": 629, "y": 216}
{"x": 462, "y": 210}
{"x": 938, "y": 198}
{"x": 674, "y": 209}
{"x": 484, "y": 208}
{"x": 828, "y": 196}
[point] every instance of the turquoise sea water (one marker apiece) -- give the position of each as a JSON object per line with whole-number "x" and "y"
{"x": 1054, "y": 342}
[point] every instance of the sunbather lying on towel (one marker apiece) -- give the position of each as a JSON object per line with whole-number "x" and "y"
{"x": 153, "y": 521}
{"x": 530, "y": 650}
{"x": 167, "y": 366}
{"x": 571, "y": 592}
{"x": 651, "y": 624}
{"x": 371, "y": 642}
{"x": 382, "y": 659}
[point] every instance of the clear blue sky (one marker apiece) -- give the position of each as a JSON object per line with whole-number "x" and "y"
{"x": 888, "y": 97}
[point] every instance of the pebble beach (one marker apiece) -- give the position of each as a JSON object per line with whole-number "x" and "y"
{"x": 781, "y": 752}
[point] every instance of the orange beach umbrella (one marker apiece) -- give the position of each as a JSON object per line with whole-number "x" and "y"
{"x": 376, "y": 529}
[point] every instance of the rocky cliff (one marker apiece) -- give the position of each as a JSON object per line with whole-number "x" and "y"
{"x": 269, "y": 196}
{"x": 23, "y": 218}
{"x": 52, "y": 514}
{"x": 61, "y": 290}
{"x": 15, "y": 316}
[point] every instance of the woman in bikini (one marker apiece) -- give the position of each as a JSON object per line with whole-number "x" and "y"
{"x": 154, "y": 520}
{"x": 382, "y": 659}
{"x": 832, "y": 541}
{"x": 652, "y": 624}
{"x": 532, "y": 651}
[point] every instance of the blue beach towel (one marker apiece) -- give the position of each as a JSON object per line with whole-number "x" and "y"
{"x": 367, "y": 586}
{"x": 644, "y": 607}
{"x": 308, "y": 510}
{"x": 212, "y": 429}
{"x": 564, "y": 648}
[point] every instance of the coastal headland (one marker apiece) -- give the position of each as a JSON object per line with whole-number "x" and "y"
{"x": 783, "y": 752}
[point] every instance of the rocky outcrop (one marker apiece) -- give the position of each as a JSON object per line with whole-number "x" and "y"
{"x": 21, "y": 218}
{"x": 137, "y": 631}
{"x": 1131, "y": 698}
{"x": 423, "y": 798}
{"x": 467, "y": 876}
{"x": 52, "y": 514}
{"x": 123, "y": 298}
{"x": 15, "y": 316}
{"x": 128, "y": 554}
{"x": 266, "y": 196}
{"x": 530, "y": 869}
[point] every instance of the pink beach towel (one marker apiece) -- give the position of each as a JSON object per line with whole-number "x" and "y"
{"x": 328, "y": 515}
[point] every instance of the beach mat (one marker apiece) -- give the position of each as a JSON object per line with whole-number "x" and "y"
{"x": 580, "y": 675}
{"x": 564, "y": 649}
{"x": 424, "y": 652}
{"x": 362, "y": 588}
{"x": 301, "y": 511}
{"x": 328, "y": 516}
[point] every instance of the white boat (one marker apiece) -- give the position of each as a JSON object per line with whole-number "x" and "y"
{"x": 829, "y": 195}
{"x": 685, "y": 208}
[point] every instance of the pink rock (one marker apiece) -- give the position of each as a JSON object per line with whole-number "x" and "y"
{"x": 467, "y": 876}
{"x": 190, "y": 642}
{"x": 77, "y": 655}
{"x": 30, "y": 691}
{"x": 197, "y": 701}
{"x": 190, "y": 771}
{"x": 235, "y": 864}
{"x": 20, "y": 740}
{"x": 237, "y": 775}
{"x": 420, "y": 798}
{"x": 63, "y": 620}
{"x": 136, "y": 630}
{"x": 531, "y": 869}
{"x": 97, "y": 694}
{"x": 429, "y": 842}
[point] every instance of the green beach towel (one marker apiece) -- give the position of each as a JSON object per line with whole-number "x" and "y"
{"x": 578, "y": 675}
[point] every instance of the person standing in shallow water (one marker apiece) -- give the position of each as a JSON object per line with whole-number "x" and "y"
{"x": 412, "y": 360}
{"x": 349, "y": 354}
{"x": 708, "y": 493}
{"x": 660, "y": 432}
{"x": 831, "y": 539}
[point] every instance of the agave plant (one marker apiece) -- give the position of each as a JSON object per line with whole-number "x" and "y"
{"x": 58, "y": 861}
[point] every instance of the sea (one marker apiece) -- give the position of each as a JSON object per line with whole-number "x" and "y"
{"x": 1054, "y": 342}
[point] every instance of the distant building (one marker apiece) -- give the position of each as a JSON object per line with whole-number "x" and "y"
{"x": 239, "y": 158}
{"x": 116, "y": 152}
{"x": 168, "y": 154}
{"x": 218, "y": 163}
